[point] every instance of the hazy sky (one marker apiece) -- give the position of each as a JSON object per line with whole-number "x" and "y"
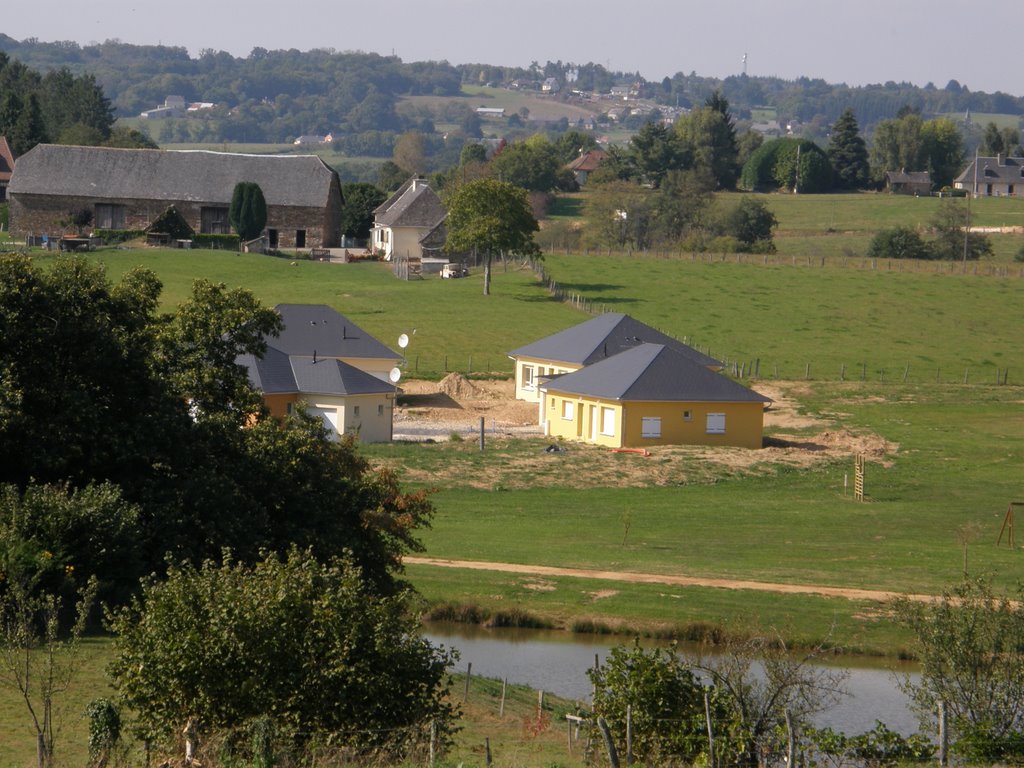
{"x": 867, "y": 41}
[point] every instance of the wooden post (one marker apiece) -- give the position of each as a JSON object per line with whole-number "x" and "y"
{"x": 943, "y": 735}
{"x": 790, "y": 740}
{"x": 433, "y": 742}
{"x": 469, "y": 674}
{"x": 863, "y": 371}
{"x": 540, "y": 702}
{"x": 711, "y": 734}
{"x": 905, "y": 372}
{"x": 469, "y": 366}
{"x": 501, "y": 708}
{"x": 842, "y": 373}
{"x": 481, "y": 433}
{"x": 613, "y": 756}
{"x": 487, "y": 751}
{"x": 966, "y": 371}
{"x": 629, "y": 734}
{"x": 807, "y": 371}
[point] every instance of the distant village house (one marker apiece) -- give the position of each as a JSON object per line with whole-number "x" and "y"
{"x": 998, "y": 176}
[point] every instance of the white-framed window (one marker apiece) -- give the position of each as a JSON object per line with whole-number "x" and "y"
{"x": 607, "y": 421}
{"x": 568, "y": 410}
{"x": 650, "y": 426}
{"x": 687, "y": 415}
{"x": 716, "y": 424}
{"x": 355, "y": 410}
{"x": 528, "y": 377}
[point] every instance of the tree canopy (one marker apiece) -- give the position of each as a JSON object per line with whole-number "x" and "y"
{"x": 248, "y": 210}
{"x": 492, "y": 218}
{"x": 848, "y": 153}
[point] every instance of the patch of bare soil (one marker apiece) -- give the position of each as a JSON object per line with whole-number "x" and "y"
{"x": 454, "y": 406}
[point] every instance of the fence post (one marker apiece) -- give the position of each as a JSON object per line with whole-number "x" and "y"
{"x": 943, "y": 734}
{"x": 711, "y": 735}
{"x": 469, "y": 674}
{"x": 629, "y": 734}
{"x": 613, "y": 756}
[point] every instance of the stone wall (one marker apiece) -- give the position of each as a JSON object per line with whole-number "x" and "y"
{"x": 44, "y": 214}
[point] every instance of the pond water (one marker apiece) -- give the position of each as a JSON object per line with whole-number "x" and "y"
{"x": 557, "y": 662}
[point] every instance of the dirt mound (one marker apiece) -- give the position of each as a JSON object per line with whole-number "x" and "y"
{"x": 458, "y": 387}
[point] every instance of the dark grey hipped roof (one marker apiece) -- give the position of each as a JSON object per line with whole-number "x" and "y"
{"x": 652, "y": 372}
{"x": 154, "y": 174}
{"x": 602, "y": 337}
{"x": 310, "y": 328}
{"x": 414, "y": 205}
{"x": 277, "y": 373}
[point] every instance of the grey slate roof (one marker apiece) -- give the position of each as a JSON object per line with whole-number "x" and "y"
{"x": 652, "y": 372}
{"x": 414, "y": 205}
{"x": 302, "y": 357}
{"x": 1009, "y": 170}
{"x": 154, "y": 174}
{"x": 602, "y": 337}
{"x": 310, "y": 328}
{"x": 277, "y": 373}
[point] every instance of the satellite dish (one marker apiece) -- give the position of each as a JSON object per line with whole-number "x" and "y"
{"x": 403, "y": 341}
{"x": 394, "y": 374}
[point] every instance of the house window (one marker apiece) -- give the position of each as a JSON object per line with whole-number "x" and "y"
{"x": 527, "y": 377}
{"x": 290, "y": 409}
{"x": 687, "y": 415}
{"x": 380, "y": 410}
{"x": 355, "y": 410}
{"x": 607, "y": 421}
{"x": 568, "y": 410}
{"x": 650, "y": 426}
{"x": 272, "y": 240}
{"x": 716, "y": 424}
{"x": 300, "y": 238}
{"x": 109, "y": 216}
{"x": 213, "y": 220}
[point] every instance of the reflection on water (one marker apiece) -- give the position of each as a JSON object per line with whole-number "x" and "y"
{"x": 557, "y": 662}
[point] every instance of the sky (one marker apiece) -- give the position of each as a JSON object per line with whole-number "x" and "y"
{"x": 862, "y": 42}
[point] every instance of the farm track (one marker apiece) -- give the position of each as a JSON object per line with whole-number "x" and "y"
{"x": 630, "y": 577}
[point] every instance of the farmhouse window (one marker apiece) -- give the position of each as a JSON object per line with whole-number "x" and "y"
{"x": 380, "y": 410}
{"x": 607, "y": 421}
{"x": 109, "y": 216}
{"x": 272, "y": 240}
{"x": 300, "y": 238}
{"x": 568, "y": 410}
{"x": 687, "y": 415}
{"x": 355, "y": 410}
{"x": 213, "y": 220}
{"x": 716, "y": 423}
{"x": 528, "y": 376}
{"x": 650, "y": 426}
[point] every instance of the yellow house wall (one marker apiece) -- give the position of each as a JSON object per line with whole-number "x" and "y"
{"x": 368, "y": 424}
{"x": 744, "y": 422}
{"x": 531, "y": 394}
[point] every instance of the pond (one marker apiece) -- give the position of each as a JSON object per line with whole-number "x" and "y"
{"x": 557, "y": 662}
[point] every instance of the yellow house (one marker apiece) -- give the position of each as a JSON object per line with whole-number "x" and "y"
{"x": 585, "y": 344}
{"x": 331, "y": 368}
{"x": 652, "y": 395}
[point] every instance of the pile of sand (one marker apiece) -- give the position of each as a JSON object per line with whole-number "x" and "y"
{"x": 458, "y": 387}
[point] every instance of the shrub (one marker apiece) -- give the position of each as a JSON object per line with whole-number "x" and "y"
{"x": 216, "y": 242}
{"x": 898, "y": 243}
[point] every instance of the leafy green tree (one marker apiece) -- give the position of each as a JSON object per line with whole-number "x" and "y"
{"x": 952, "y": 241}
{"x": 848, "y": 152}
{"x": 665, "y": 699}
{"x": 897, "y": 146}
{"x": 572, "y": 144}
{"x": 802, "y": 166}
{"x": 473, "y": 153}
{"x": 304, "y": 646}
{"x": 410, "y": 153}
{"x": 656, "y": 150}
{"x": 751, "y": 222}
{"x": 390, "y": 176}
{"x": 129, "y": 138}
{"x": 248, "y": 210}
{"x": 682, "y": 203}
{"x": 361, "y": 200}
{"x": 709, "y": 135}
{"x": 899, "y": 243}
{"x": 29, "y": 128}
{"x": 532, "y": 164}
{"x": 491, "y": 217}
{"x": 969, "y": 646}
{"x": 943, "y": 146}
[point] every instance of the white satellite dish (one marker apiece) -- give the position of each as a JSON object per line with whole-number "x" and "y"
{"x": 403, "y": 341}
{"x": 394, "y": 374}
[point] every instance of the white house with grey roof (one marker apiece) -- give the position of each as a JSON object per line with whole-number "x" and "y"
{"x": 998, "y": 176}
{"x": 410, "y": 223}
{"x": 131, "y": 188}
{"x": 327, "y": 365}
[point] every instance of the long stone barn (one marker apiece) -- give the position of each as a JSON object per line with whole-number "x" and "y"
{"x": 130, "y": 188}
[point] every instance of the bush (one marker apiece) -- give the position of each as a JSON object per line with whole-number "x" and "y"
{"x": 898, "y": 243}
{"x": 114, "y": 236}
{"x": 305, "y": 646}
{"x": 1019, "y": 256}
{"x": 216, "y": 242}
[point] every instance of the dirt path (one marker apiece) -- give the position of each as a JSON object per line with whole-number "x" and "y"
{"x": 680, "y": 581}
